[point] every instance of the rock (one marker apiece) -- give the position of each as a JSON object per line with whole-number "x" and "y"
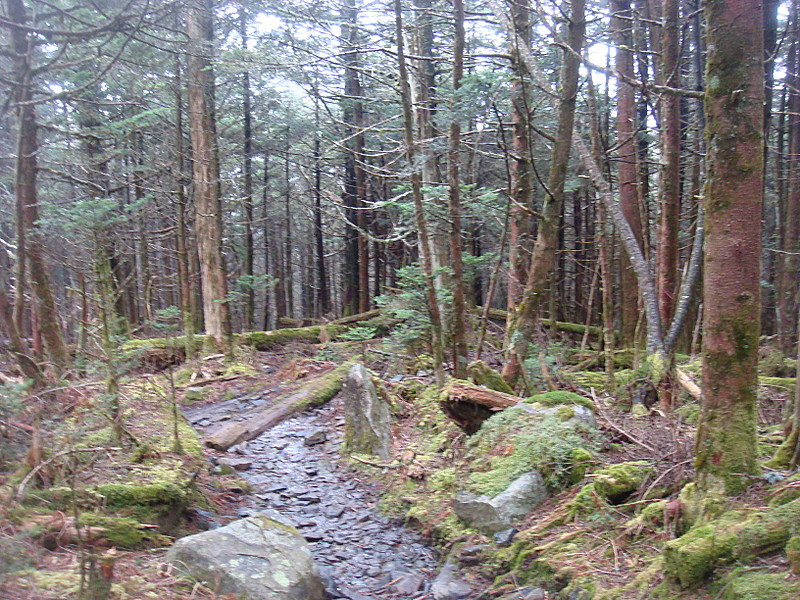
{"x": 407, "y": 584}
{"x": 316, "y": 436}
{"x": 505, "y": 537}
{"x": 448, "y": 585}
{"x": 367, "y": 418}
{"x": 257, "y": 558}
{"x": 205, "y": 519}
{"x": 240, "y": 464}
{"x": 527, "y": 594}
{"x": 491, "y": 515}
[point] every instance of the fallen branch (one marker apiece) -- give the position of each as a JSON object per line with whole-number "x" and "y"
{"x": 605, "y": 421}
{"x": 373, "y": 463}
{"x": 202, "y": 382}
{"x": 21, "y": 489}
{"x": 470, "y": 405}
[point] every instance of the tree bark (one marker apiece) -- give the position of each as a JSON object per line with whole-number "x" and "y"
{"x": 726, "y": 436}
{"x": 207, "y": 201}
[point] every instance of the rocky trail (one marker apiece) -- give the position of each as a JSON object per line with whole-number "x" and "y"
{"x": 294, "y": 470}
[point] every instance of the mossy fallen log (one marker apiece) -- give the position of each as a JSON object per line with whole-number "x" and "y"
{"x": 314, "y": 393}
{"x": 265, "y": 340}
{"x": 498, "y": 314}
{"x": 689, "y": 559}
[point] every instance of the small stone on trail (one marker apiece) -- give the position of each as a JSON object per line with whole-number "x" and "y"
{"x": 407, "y": 583}
{"x": 448, "y": 585}
{"x": 333, "y": 512}
{"x": 316, "y": 436}
{"x": 240, "y": 464}
{"x": 527, "y": 594}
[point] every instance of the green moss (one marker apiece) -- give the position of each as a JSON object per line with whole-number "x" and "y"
{"x": 518, "y": 442}
{"x": 324, "y": 388}
{"x": 581, "y": 460}
{"x": 618, "y": 481}
{"x": 793, "y": 554}
{"x": 127, "y": 494}
{"x": 689, "y": 412}
{"x": 783, "y": 456}
{"x": 195, "y": 394}
{"x": 123, "y": 532}
{"x": 597, "y": 379}
{"x": 238, "y": 369}
{"x": 560, "y": 397}
{"x": 757, "y": 585}
{"x": 482, "y": 374}
{"x": 734, "y": 536}
{"x": 443, "y": 480}
{"x": 783, "y": 383}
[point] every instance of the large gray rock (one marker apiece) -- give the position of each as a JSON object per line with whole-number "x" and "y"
{"x": 367, "y": 421}
{"x": 257, "y": 558}
{"x": 491, "y": 515}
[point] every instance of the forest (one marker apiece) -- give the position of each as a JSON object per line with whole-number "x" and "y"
{"x": 563, "y": 236}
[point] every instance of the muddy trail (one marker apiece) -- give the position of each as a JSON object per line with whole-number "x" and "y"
{"x": 295, "y": 471}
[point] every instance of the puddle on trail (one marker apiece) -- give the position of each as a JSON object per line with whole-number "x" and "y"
{"x": 361, "y": 553}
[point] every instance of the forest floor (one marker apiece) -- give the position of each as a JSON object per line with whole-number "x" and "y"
{"x": 365, "y": 548}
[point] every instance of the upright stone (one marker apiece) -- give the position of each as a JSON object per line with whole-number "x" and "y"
{"x": 367, "y": 419}
{"x": 258, "y": 558}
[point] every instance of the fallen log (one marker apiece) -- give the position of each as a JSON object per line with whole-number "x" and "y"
{"x": 314, "y": 393}
{"x": 470, "y": 405}
{"x": 498, "y": 314}
{"x": 689, "y": 385}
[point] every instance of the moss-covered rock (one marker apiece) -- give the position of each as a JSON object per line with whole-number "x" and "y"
{"x": 517, "y": 441}
{"x": 123, "y": 532}
{"x": 734, "y": 536}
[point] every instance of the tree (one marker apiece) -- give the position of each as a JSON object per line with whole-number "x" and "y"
{"x": 205, "y": 164}
{"x": 726, "y": 436}
{"x": 30, "y": 243}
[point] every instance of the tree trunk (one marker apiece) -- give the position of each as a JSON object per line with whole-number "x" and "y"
{"x": 790, "y": 242}
{"x": 247, "y": 200}
{"x": 207, "y": 201}
{"x": 726, "y": 436}
{"x": 670, "y": 188}
{"x": 627, "y": 170}
{"x": 25, "y": 188}
{"x": 181, "y": 230}
{"x": 458, "y": 327}
{"x": 544, "y": 251}
{"x": 416, "y": 192}
{"x": 519, "y": 249}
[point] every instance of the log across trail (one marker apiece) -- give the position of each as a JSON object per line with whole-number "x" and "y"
{"x": 314, "y": 393}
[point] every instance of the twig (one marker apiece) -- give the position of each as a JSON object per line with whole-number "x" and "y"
{"x": 609, "y": 423}
{"x": 203, "y": 382}
{"x": 39, "y": 467}
{"x": 373, "y": 464}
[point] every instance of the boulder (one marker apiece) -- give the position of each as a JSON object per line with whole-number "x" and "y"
{"x": 491, "y": 515}
{"x": 257, "y": 558}
{"x": 367, "y": 418}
